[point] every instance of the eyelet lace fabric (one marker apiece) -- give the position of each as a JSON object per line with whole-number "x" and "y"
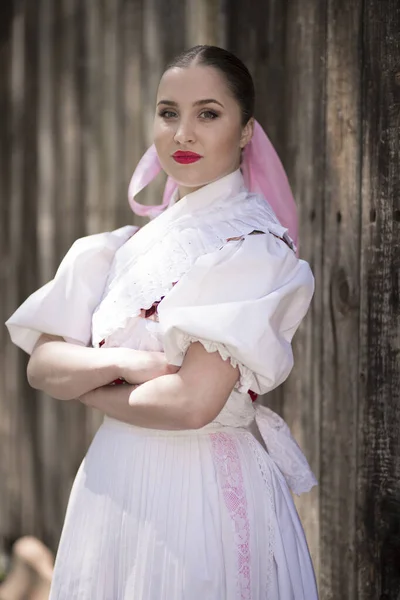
{"x": 146, "y": 267}
{"x": 260, "y": 458}
{"x": 227, "y": 461}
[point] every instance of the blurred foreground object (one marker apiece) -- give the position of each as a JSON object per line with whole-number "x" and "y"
{"x": 30, "y": 573}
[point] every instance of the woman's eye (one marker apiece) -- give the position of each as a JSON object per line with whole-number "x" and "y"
{"x": 167, "y": 114}
{"x": 209, "y": 114}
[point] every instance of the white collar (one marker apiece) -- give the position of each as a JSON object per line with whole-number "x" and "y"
{"x": 229, "y": 185}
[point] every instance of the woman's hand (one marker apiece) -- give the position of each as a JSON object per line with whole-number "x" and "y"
{"x": 137, "y": 366}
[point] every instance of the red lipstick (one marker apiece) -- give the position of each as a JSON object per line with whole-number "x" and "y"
{"x": 184, "y": 157}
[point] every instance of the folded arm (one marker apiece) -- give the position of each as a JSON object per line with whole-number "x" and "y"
{"x": 188, "y": 399}
{"x": 67, "y": 371}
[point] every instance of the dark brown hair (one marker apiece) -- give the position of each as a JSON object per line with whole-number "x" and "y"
{"x": 237, "y": 75}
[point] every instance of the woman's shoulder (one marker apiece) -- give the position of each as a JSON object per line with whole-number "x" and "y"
{"x": 97, "y": 246}
{"x": 106, "y": 239}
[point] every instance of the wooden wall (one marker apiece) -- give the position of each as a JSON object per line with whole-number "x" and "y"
{"x": 77, "y": 85}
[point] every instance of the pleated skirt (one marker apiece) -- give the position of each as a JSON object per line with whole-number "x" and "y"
{"x": 180, "y": 515}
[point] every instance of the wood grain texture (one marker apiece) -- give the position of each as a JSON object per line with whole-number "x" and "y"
{"x": 340, "y": 350}
{"x": 9, "y": 520}
{"x": 304, "y": 110}
{"x": 378, "y": 480}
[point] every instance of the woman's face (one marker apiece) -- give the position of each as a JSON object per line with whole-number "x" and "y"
{"x": 196, "y": 113}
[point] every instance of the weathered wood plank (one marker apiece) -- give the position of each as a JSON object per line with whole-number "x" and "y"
{"x": 340, "y": 301}
{"x": 13, "y": 358}
{"x": 204, "y": 23}
{"x": 378, "y": 478}
{"x": 91, "y": 139}
{"x": 8, "y": 489}
{"x": 132, "y": 144}
{"x": 30, "y": 470}
{"x": 304, "y": 125}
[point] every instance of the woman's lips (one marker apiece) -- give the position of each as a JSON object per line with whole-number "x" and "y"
{"x": 185, "y": 158}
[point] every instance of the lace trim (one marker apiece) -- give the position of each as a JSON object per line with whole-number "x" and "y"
{"x": 266, "y": 475}
{"x": 246, "y": 378}
{"x": 227, "y": 461}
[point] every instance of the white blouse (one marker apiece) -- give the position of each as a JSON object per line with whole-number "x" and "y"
{"x": 244, "y": 298}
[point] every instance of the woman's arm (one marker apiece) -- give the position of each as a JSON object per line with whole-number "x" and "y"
{"x": 67, "y": 371}
{"x": 188, "y": 399}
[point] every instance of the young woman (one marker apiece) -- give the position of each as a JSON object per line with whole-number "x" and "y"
{"x": 194, "y": 313}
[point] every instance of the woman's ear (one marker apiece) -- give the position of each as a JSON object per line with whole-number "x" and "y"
{"x": 247, "y": 133}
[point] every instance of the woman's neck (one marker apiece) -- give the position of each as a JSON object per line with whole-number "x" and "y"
{"x": 184, "y": 190}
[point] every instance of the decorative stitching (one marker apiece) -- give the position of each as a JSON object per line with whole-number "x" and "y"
{"x": 227, "y": 461}
{"x": 259, "y": 455}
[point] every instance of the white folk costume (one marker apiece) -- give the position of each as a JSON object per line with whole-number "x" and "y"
{"x": 200, "y": 514}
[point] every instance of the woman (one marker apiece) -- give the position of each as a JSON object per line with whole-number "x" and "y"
{"x": 194, "y": 313}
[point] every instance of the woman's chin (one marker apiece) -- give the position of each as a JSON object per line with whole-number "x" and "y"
{"x": 189, "y": 177}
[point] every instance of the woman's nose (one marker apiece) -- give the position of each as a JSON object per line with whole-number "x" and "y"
{"x": 184, "y": 133}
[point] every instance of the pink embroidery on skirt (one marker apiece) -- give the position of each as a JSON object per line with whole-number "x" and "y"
{"x": 227, "y": 460}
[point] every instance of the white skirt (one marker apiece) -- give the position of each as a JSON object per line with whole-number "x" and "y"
{"x": 181, "y": 515}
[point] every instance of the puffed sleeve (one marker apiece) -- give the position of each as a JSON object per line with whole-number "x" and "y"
{"x": 65, "y": 305}
{"x": 245, "y": 301}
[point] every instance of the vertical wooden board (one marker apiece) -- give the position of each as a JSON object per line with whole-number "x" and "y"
{"x": 91, "y": 118}
{"x": 20, "y": 460}
{"x": 111, "y": 114}
{"x": 6, "y": 20}
{"x": 27, "y": 277}
{"x": 170, "y": 18}
{"x": 304, "y": 124}
{"x": 258, "y": 37}
{"x": 6, "y": 273}
{"x": 204, "y": 23}
{"x": 13, "y": 356}
{"x": 70, "y": 441}
{"x": 132, "y": 111}
{"x": 152, "y": 63}
{"x": 47, "y": 190}
{"x": 378, "y": 479}
{"x": 340, "y": 302}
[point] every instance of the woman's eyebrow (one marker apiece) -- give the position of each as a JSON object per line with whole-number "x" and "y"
{"x": 197, "y": 103}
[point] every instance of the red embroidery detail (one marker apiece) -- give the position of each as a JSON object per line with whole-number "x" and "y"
{"x": 252, "y": 395}
{"x": 227, "y": 460}
{"x": 149, "y": 312}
